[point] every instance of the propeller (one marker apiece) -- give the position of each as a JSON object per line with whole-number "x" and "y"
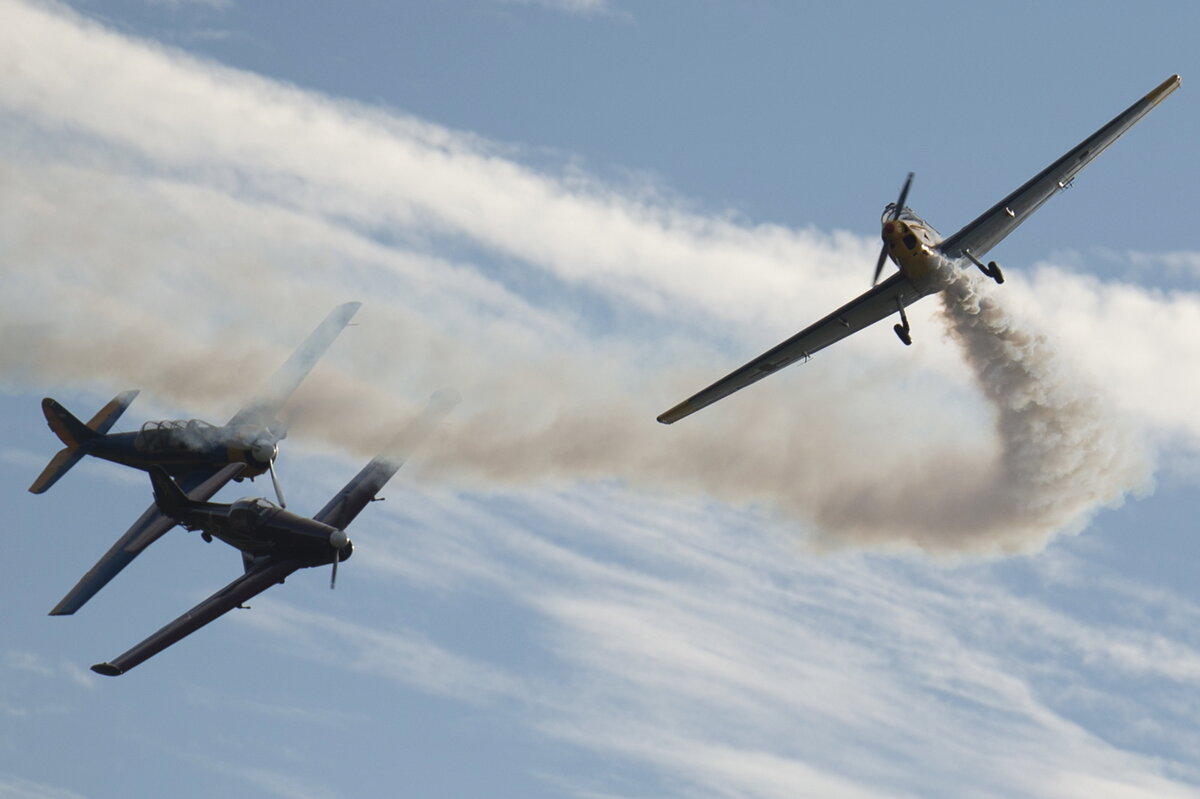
{"x": 266, "y": 449}
{"x": 275, "y": 482}
{"x": 895, "y": 215}
{"x": 337, "y": 539}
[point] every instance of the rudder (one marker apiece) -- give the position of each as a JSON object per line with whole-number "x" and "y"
{"x": 168, "y": 496}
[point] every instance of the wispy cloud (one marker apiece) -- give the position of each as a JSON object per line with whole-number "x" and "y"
{"x": 698, "y": 645}
{"x": 215, "y": 5}
{"x": 221, "y": 701}
{"x": 19, "y": 788}
{"x": 403, "y": 655}
{"x": 654, "y": 572}
{"x": 32, "y": 663}
{"x": 578, "y": 7}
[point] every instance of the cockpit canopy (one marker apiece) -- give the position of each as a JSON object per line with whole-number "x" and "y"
{"x": 257, "y": 505}
{"x": 191, "y": 434}
{"x": 907, "y": 215}
{"x": 248, "y": 513}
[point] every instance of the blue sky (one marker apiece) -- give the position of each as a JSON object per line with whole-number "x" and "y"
{"x": 877, "y": 574}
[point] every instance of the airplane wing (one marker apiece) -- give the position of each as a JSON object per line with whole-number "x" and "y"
{"x": 150, "y": 526}
{"x": 1001, "y": 219}
{"x": 360, "y": 491}
{"x": 262, "y": 576}
{"x": 881, "y": 301}
{"x": 279, "y": 388}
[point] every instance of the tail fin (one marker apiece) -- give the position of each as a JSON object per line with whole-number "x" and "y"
{"x": 74, "y": 434}
{"x": 167, "y": 494}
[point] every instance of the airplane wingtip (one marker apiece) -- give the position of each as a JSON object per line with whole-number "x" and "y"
{"x": 685, "y": 408}
{"x": 1163, "y": 89}
{"x": 107, "y": 669}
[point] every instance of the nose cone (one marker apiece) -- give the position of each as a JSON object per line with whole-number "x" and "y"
{"x": 264, "y": 450}
{"x": 889, "y": 228}
{"x": 338, "y": 539}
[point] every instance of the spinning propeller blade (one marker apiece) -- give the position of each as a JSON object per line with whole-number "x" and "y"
{"x": 903, "y": 197}
{"x": 337, "y": 555}
{"x": 275, "y": 481}
{"x": 879, "y": 263}
{"x": 895, "y": 215}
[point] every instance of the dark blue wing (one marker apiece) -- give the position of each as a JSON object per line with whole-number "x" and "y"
{"x": 265, "y": 574}
{"x": 150, "y": 526}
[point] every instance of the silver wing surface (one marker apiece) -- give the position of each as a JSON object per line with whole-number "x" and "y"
{"x": 199, "y": 485}
{"x": 262, "y": 576}
{"x": 279, "y": 388}
{"x": 881, "y": 301}
{"x": 1001, "y": 219}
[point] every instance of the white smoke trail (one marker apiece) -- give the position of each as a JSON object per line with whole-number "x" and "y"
{"x": 1064, "y": 452}
{"x": 545, "y": 402}
{"x": 136, "y": 267}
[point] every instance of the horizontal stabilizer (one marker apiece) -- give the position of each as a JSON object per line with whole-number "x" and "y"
{"x": 107, "y": 416}
{"x": 59, "y": 465}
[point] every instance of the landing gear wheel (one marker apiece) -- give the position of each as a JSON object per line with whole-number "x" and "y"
{"x": 994, "y": 272}
{"x": 903, "y": 334}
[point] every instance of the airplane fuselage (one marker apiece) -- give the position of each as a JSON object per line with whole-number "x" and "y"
{"x": 258, "y": 527}
{"x": 912, "y": 245}
{"x": 183, "y": 447}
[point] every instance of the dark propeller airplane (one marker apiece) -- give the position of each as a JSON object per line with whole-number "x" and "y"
{"x": 918, "y": 250}
{"x": 274, "y": 542}
{"x": 203, "y": 457}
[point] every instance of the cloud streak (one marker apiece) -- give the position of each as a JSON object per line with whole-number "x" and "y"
{"x": 702, "y": 649}
{"x": 178, "y": 225}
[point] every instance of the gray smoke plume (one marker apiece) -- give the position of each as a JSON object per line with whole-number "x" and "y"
{"x": 859, "y": 457}
{"x": 1051, "y": 453}
{"x": 1063, "y": 451}
{"x": 121, "y": 288}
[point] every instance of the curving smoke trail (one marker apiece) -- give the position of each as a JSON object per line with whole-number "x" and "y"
{"x": 1064, "y": 452}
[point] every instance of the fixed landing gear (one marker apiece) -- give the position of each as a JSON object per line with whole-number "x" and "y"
{"x": 992, "y": 269}
{"x": 903, "y": 330}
